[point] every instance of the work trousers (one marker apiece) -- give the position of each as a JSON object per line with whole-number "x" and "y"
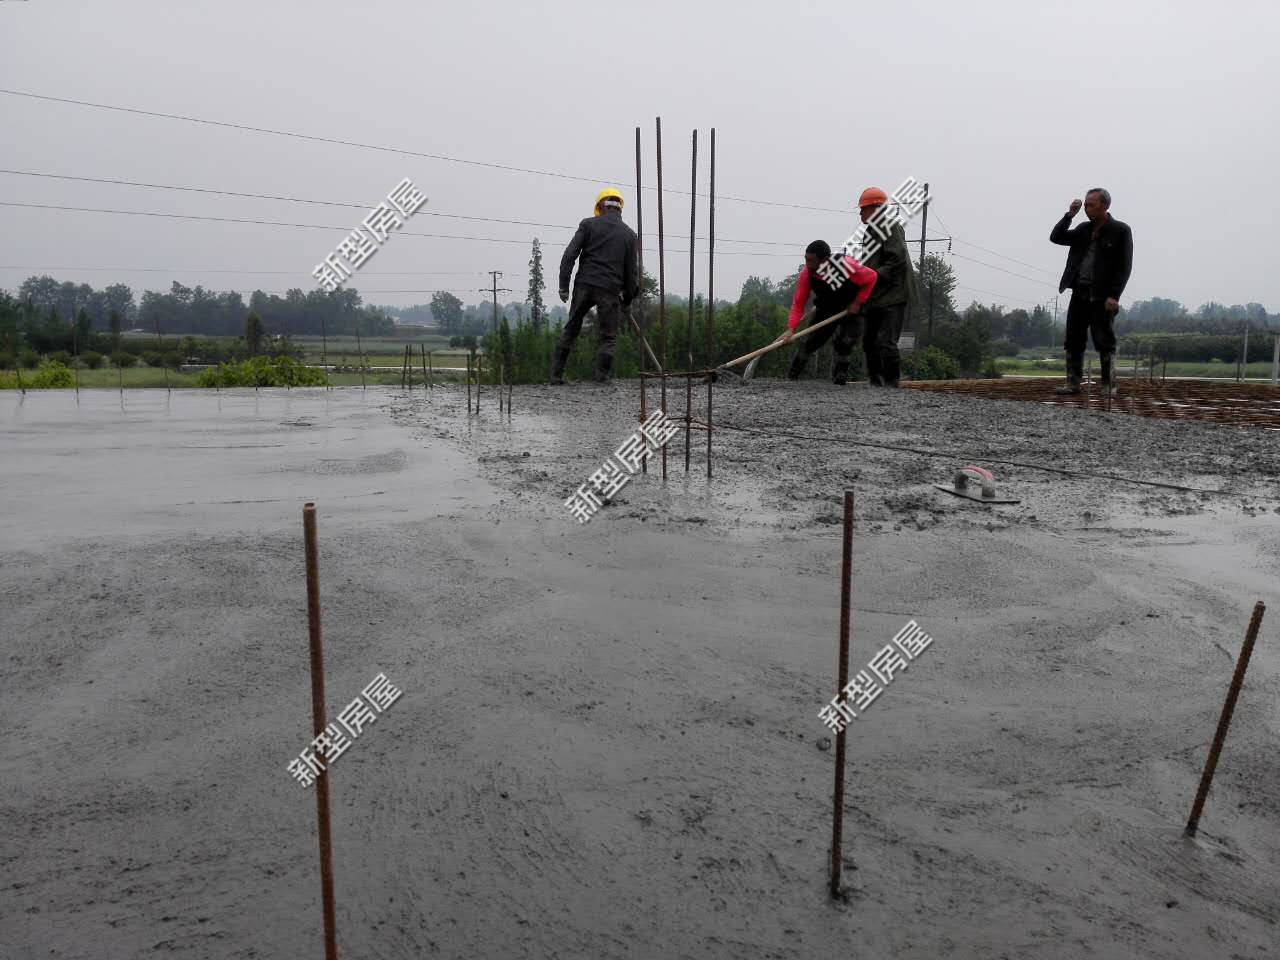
{"x": 846, "y": 331}
{"x": 880, "y": 342}
{"x": 608, "y": 304}
{"x": 1086, "y": 316}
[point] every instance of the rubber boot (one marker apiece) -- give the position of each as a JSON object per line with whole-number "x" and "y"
{"x": 890, "y": 371}
{"x": 603, "y": 365}
{"x": 840, "y": 371}
{"x": 798, "y": 363}
{"x": 560, "y": 358}
{"x": 1109, "y": 373}
{"x": 1075, "y": 373}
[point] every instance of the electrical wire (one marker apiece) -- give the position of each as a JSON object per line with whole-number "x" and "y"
{"x": 385, "y": 149}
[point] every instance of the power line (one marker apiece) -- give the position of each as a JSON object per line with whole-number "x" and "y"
{"x": 992, "y": 266}
{"x": 281, "y": 273}
{"x": 321, "y": 226}
{"x": 994, "y": 253}
{"x": 336, "y": 203}
{"x": 385, "y": 149}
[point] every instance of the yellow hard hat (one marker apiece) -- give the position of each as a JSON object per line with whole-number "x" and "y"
{"x": 608, "y": 193}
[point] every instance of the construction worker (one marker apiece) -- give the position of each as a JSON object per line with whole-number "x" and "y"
{"x": 608, "y": 279}
{"x": 838, "y": 283}
{"x": 1098, "y": 267}
{"x": 886, "y": 309}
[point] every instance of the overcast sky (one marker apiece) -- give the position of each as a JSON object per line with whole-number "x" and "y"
{"x": 1008, "y": 110}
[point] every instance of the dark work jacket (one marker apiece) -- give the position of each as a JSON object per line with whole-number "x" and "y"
{"x": 1112, "y": 257}
{"x": 607, "y": 248}
{"x": 896, "y": 281}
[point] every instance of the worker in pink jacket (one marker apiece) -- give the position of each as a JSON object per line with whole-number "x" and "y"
{"x": 837, "y": 283}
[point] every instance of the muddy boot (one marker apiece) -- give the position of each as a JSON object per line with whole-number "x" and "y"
{"x": 840, "y": 372}
{"x": 1109, "y": 373}
{"x": 603, "y": 366}
{"x": 1075, "y": 373}
{"x": 798, "y": 363}
{"x": 560, "y": 358}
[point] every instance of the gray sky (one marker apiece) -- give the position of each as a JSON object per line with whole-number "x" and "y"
{"x": 1008, "y": 109}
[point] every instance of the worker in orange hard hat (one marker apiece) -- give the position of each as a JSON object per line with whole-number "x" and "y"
{"x": 608, "y": 279}
{"x": 886, "y": 310}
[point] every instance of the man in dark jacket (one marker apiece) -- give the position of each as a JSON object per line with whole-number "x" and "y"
{"x": 886, "y": 309}
{"x": 1098, "y": 267}
{"x": 608, "y": 279}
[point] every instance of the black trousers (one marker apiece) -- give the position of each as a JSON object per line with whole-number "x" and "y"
{"x": 1087, "y": 316}
{"x": 847, "y": 331}
{"x": 608, "y": 304}
{"x": 880, "y": 342}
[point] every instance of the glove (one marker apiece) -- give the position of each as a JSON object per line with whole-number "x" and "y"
{"x": 564, "y": 294}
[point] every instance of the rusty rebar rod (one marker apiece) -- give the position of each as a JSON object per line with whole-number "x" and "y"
{"x": 426, "y": 381}
{"x": 711, "y": 291}
{"x": 846, "y": 573}
{"x": 1224, "y": 721}
{"x": 431, "y": 374}
{"x": 468, "y": 384}
{"x": 662, "y": 286}
{"x": 688, "y": 384}
{"x": 318, "y": 727}
{"x": 644, "y": 459}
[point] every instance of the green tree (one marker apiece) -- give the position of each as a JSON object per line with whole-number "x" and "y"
{"x": 537, "y": 309}
{"x": 447, "y": 310}
{"x": 937, "y": 284}
{"x": 252, "y": 333}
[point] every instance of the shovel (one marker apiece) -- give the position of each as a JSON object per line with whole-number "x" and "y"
{"x": 755, "y": 355}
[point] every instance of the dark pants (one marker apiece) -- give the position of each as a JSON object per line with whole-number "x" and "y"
{"x": 608, "y": 304}
{"x": 880, "y": 342}
{"x": 846, "y": 331}
{"x": 1087, "y": 316}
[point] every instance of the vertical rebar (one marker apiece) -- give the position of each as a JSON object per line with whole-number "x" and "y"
{"x": 360, "y": 353}
{"x": 17, "y": 369}
{"x": 846, "y": 573}
{"x": 404, "y": 365}
{"x": 426, "y": 381}
{"x": 324, "y": 349}
{"x": 468, "y": 384}
{"x": 1224, "y": 721}
{"x": 318, "y": 726}
{"x": 662, "y": 289}
{"x": 479, "y": 376}
{"x": 644, "y": 360}
{"x": 688, "y": 380}
{"x": 431, "y": 374}
{"x": 711, "y": 291}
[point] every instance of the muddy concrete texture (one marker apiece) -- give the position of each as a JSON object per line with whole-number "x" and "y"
{"x": 608, "y": 743}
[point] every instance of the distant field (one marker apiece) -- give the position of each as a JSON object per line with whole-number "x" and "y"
{"x": 1056, "y": 366}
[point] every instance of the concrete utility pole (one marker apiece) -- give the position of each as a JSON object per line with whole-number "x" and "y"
{"x": 1275, "y": 359}
{"x": 924, "y": 223}
{"x": 496, "y": 274}
{"x": 1244, "y": 358}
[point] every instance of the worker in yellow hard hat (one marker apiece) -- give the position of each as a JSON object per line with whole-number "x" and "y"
{"x": 608, "y": 279}
{"x": 885, "y": 252}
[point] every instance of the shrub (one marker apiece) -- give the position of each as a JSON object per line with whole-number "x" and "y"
{"x": 990, "y": 371}
{"x": 932, "y": 364}
{"x": 29, "y": 359}
{"x": 153, "y": 358}
{"x": 92, "y": 359}
{"x": 262, "y": 372}
{"x": 50, "y": 374}
{"x": 60, "y": 357}
{"x": 123, "y": 360}
{"x": 1005, "y": 348}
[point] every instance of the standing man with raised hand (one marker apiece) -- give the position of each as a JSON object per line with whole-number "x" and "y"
{"x": 1098, "y": 267}
{"x": 838, "y": 283}
{"x": 886, "y": 309}
{"x": 608, "y": 279}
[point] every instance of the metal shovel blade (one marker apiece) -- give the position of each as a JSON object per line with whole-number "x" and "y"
{"x": 750, "y": 371}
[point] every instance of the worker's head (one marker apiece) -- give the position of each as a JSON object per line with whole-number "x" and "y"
{"x": 608, "y": 199}
{"x": 1096, "y": 203}
{"x": 872, "y": 199}
{"x": 815, "y": 253}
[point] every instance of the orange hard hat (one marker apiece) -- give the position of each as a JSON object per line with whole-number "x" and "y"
{"x": 872, "y": 197}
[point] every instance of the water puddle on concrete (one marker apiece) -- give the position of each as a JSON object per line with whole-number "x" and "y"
{"x": 215, "y": 462}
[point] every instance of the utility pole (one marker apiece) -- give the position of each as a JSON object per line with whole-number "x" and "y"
{"x": 924, "y": 224}
{"x": 496, "y": 274}
{"x": 1244, "y": 359}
